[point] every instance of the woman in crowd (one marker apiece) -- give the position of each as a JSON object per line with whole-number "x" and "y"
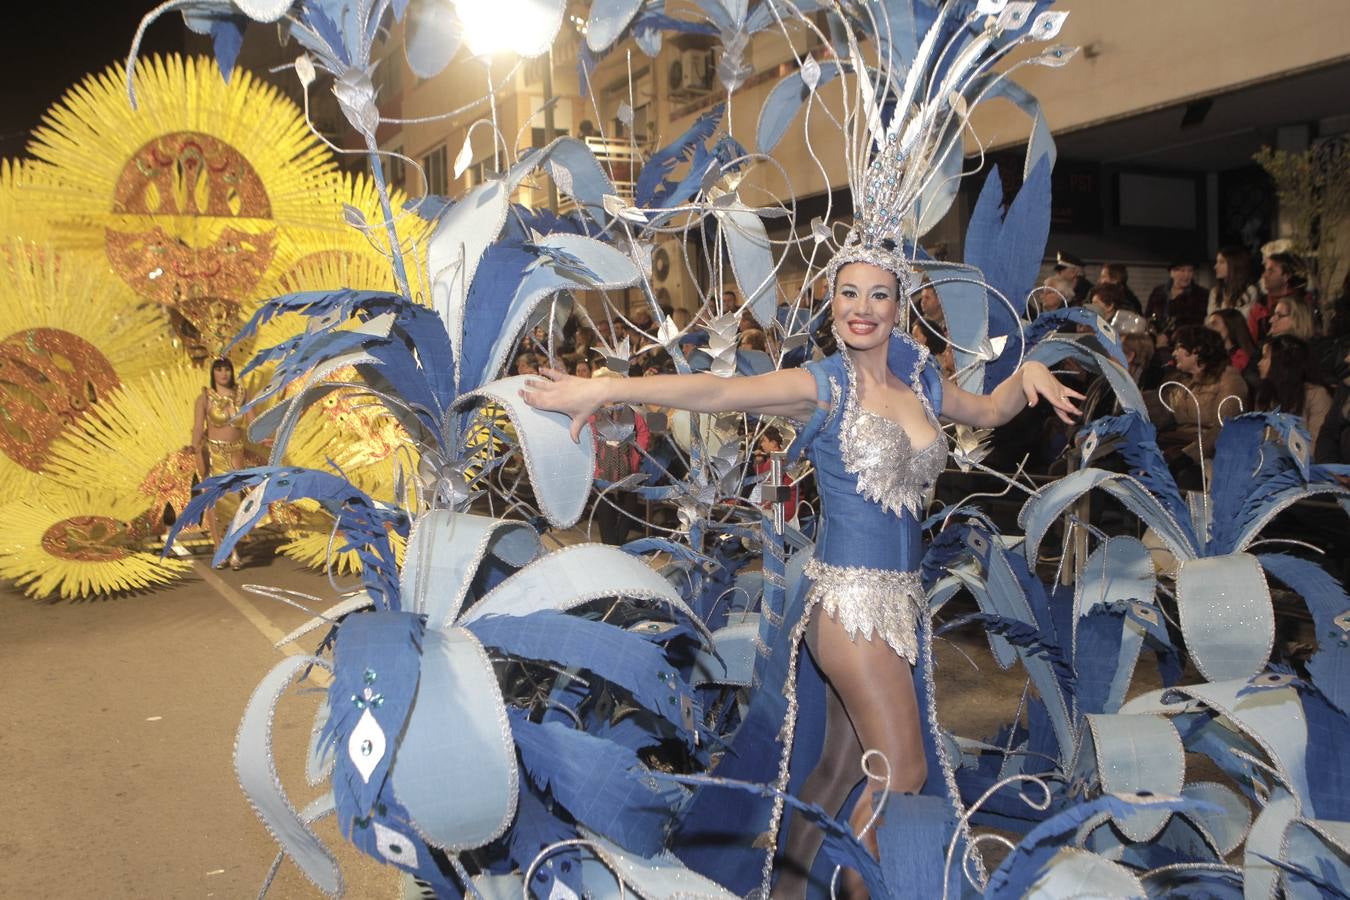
{"x": 1290, "y": 383}
{"x": 1207, "y": 382}
{"x": 1234, "y": 282}
{"x": 1292, "y": 316}
{"x": 1231, "y": 325}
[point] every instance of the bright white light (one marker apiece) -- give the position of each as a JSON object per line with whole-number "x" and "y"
{"x": 523, "y": 27}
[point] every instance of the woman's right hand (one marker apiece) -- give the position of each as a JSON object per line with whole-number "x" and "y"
{"x": 577, "y": 398}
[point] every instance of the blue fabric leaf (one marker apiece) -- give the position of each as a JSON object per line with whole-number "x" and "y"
{"x": 227, "y": 37}
{"x": 1328, "y": 736}
{"x": 840, "y": 845}
{"x": 537, "y": 827}
{"x": 652, "y": 188}
{"x": 363, "y": 522}
{"x": 1009, "y": 254}
{"x": 622, "y": 658}
{"x": 1140, "y": 451}
{"x": 389, "y": 835}
{"x": 1327, "y": 601}
{"x": 1022, "y": 867}
{"x": 602, "y": 785}
{"x": 313, "y": 14}
{"x": 376, "y": 665}
{"x": 783, "y": 103}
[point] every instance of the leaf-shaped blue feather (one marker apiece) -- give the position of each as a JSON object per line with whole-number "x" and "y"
{"x": 652, "y": 189}
{"x": 637, "y": 666}
{"x": 602, "y": 785}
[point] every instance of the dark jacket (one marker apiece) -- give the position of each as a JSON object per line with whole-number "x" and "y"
{"x": 1167, "y": 313}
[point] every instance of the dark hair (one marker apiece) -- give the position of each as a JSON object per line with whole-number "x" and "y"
{"x": 1113, "y": 295}
{"x": 1236, "y": 331}
{"x": 933, "y": 338}
{"x": 1291, "y": 368}
{"x": 1117, "y": 271}
{"x": 1291, "y": 266}
{"x": 1233, "y": 289}
{"x": 222, "y": 362}
{"x": 1208, "y": 348}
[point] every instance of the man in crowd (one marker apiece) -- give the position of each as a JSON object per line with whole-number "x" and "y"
{"x": 1116, "y": 273}
{"x": 1280, "y": 281}
{"x": 1071, "y": 267}
{"x": 1178, "y": 303}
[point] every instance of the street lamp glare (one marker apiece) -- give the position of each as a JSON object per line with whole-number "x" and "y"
{"x": 523, "y": 27}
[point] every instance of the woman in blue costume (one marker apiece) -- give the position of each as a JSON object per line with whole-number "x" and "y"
{"x": 871, "y": 413}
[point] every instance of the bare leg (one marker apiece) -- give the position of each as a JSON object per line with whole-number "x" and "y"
{"x": 876, "y": 689}
{"x": 828, "y": 786}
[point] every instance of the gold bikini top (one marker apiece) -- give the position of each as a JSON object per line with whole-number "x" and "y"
{"x": 221, "y": 408}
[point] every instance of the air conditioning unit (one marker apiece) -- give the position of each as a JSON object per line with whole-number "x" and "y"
{"x": 691, "y": 71}
{"x": 670, "y": 278}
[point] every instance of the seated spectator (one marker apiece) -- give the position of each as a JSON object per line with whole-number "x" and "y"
{"x": 1179, "y": 303}
{"x": 525, "y": 365}
{"x": 1056, "y": 292}
{"x": 1116, "y": 273}
{"x": 1289, "y": 383}
{"x": 1070, "y": 268}
{"x": 1106, "y": 298}
{"x": 1281, "y": 278}
{"x": 754, "y": 339}
{"x": 1234, "y": 284}
{"x": 1144, "y": 363}
{"x": 1333, "y": 439}
{"x": 1194, "y": 418}
{"x": 1292, "y": 315}
{"x": 929, "y": 334}
{"x": 930, "y": 307}
{"x": 770, "y": 442}
{"x": 1231, "y": 325}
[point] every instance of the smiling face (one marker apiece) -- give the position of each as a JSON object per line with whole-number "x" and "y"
{"x": 864, "y": 307}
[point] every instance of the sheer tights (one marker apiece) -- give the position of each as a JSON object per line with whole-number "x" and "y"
{"x": 870, "y": 704}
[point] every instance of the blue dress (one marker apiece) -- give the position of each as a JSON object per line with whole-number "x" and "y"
{"x": 873, "y": 488}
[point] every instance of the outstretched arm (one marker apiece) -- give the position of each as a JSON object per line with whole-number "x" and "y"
{"x": 788, "y": 392}
{"x": 1023, "y": 388}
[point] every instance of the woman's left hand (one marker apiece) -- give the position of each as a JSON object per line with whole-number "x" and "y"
{"x": 1038, "y": 381}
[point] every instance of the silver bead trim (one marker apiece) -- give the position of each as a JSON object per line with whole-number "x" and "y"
{"x": 867, "y": 602}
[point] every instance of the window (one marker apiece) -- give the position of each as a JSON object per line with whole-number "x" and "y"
{"x": 395, "y": 169}
{"x": 435, "y": 165}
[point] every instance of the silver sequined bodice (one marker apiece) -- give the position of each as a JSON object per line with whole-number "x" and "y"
{"x": 878, "y": 450}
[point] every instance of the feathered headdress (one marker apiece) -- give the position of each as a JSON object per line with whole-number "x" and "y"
{"x": 905, "y": 121}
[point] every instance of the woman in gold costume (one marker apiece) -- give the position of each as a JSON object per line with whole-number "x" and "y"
{"x": 218, "y": 435}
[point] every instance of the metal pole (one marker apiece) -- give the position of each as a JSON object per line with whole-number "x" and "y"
{"x": 548, "y": 123}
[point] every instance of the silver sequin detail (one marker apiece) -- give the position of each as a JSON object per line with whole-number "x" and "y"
{"x": 867, "y": 602}
{"x": 878, "y": 450}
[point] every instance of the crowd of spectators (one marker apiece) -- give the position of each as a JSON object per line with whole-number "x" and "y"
{"x": 1253, "y": 339}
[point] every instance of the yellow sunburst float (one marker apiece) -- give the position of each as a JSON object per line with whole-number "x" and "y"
{"x": 189, "y": 197}
{"x": 136, "y": 446}
{"x": 73, "y": 544}
{"x": 68, "y": 339}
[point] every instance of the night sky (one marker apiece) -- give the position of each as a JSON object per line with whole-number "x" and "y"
{"x": 50, "y": 46}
